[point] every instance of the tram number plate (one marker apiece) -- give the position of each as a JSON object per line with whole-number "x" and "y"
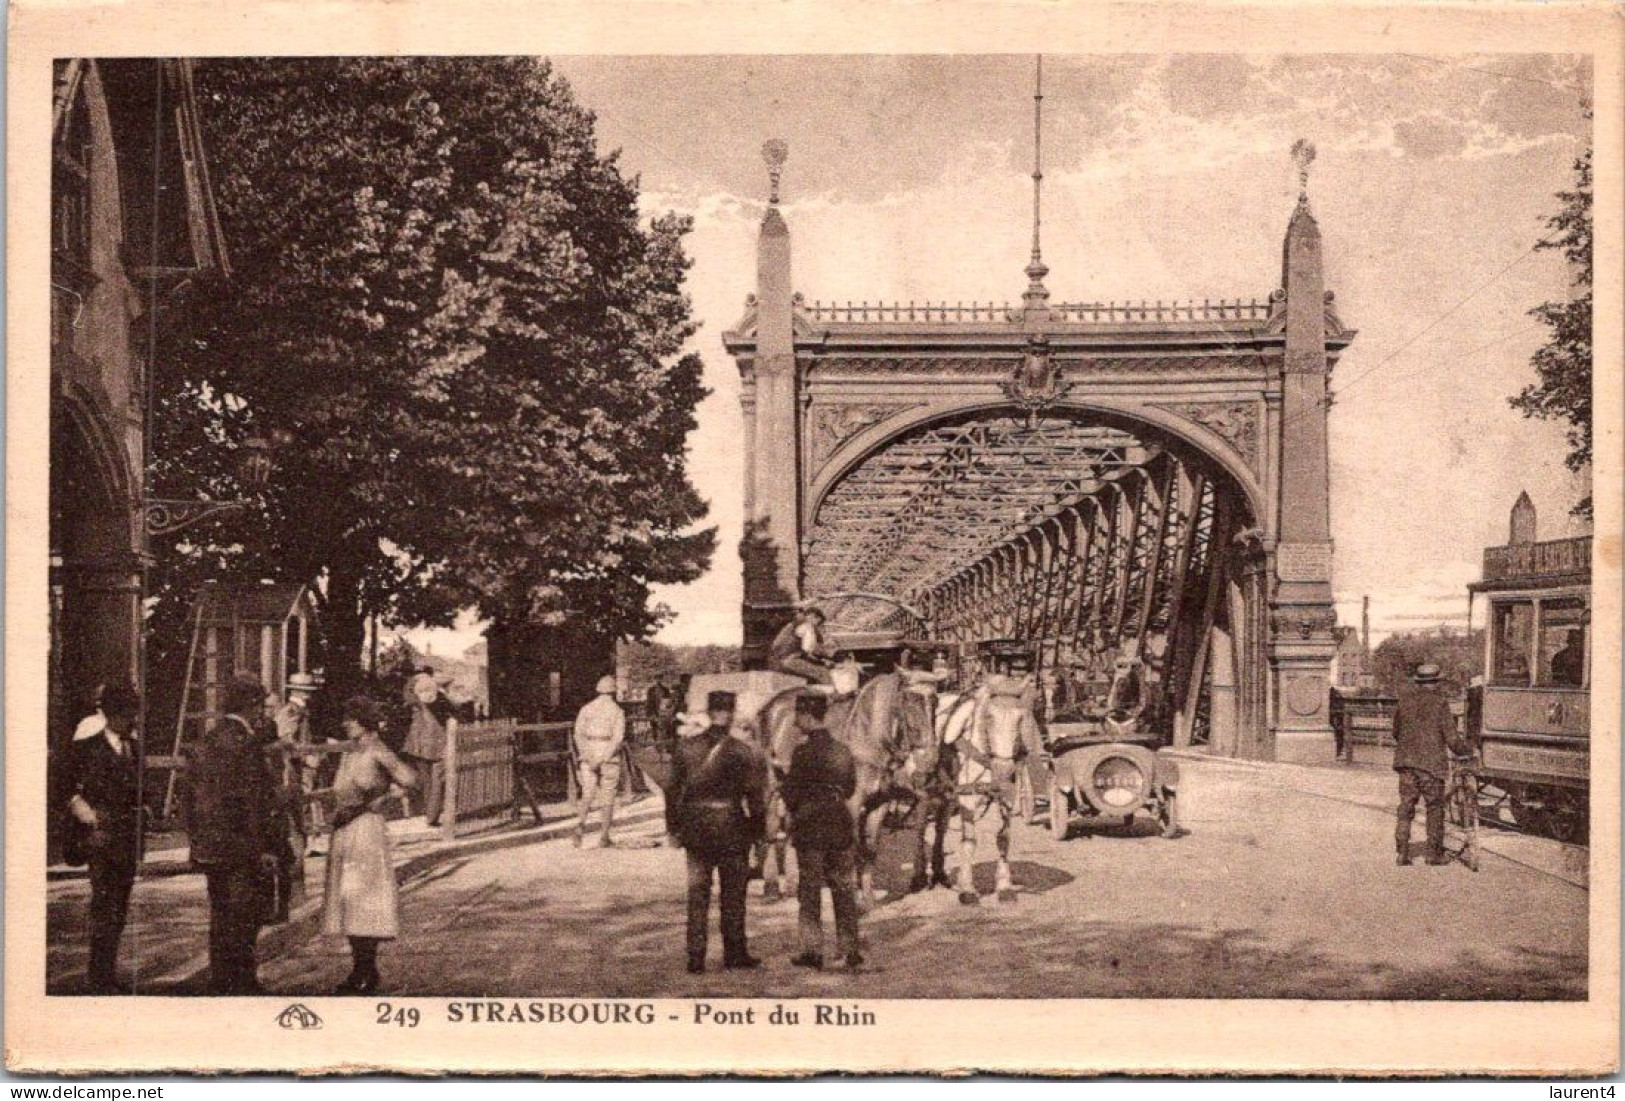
{"x": 1303, "y": 561}
{"x": 1555, "y": 762}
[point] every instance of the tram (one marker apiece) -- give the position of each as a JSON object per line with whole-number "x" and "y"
{"x": 1534, "y": 737}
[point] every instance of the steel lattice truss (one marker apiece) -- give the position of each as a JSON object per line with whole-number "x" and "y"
{"x": 912, "y": 515}
{"x": 1075, "y": 538}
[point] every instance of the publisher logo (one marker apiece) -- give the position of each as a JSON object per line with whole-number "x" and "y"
{"x": 298, "y": 1016}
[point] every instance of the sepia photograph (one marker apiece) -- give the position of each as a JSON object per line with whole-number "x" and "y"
{"x": 671, "y": 538}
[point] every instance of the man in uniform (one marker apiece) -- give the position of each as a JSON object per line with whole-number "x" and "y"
{"x": 235, "y": 826}
{"x": 599, "y": 733}
{"x": 800, "y": 649}
{"x": 821, "y": 780}
{"x": 716, "y": 807}
{"x": 1424, "y": 729}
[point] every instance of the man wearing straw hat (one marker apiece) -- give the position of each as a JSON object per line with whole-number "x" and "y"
{"x": 1424, "y": 729}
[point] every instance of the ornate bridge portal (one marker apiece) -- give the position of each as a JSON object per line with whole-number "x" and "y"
{"x": 1089, "y": 478}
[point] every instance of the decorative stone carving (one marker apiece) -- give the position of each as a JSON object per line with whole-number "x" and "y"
{"x": 1305, "y": 622}
{"x": 832, "y": 425}
{"x": 1036, "y": 383}
{"x": 1235, "y": 422}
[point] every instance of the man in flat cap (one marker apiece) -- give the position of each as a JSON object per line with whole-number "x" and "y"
{"x": 1424, "y": 729}
{"x": 821, "y": 780}
{"x": 716, "y": 807}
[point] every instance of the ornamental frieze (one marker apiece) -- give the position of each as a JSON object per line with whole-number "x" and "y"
{"x": 1235, "y": 422}
{"x": 832, "y": 425}
{"x": 1072, "y": 367}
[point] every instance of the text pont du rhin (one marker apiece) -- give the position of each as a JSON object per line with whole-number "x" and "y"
{"x": 705, "y": 1014}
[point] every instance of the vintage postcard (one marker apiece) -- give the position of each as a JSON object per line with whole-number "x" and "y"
{"x": 762, "y": 539}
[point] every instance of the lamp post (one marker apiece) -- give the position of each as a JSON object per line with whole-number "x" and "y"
{"x": 165, "y": 516}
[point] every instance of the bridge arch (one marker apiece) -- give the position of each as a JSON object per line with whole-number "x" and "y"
{"x": 1133, "y": 415}
{"x": 1222, "y": 403}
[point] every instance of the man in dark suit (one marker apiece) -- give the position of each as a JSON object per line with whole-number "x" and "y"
{"x": 716, "y": 807}
{"x": 104, "y": 785}
{"x": 1424, "y": 730}
{"x": 822, "y": 778}
{"x": 235, "y": 826}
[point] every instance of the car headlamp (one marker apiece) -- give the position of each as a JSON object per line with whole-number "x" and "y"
{"x": 1119, "y": 782}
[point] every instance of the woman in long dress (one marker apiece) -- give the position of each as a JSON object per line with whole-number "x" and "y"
{"x": 362, "y": 901}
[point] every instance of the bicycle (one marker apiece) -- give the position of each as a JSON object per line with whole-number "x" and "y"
{"x": 1461, "y": 809}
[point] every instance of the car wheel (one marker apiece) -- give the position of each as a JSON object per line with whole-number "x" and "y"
{"x": 1170, "y": 815}
{"x": 1060, "y": 814}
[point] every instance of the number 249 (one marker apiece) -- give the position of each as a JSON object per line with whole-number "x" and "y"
{"x": 404, "y": 1017}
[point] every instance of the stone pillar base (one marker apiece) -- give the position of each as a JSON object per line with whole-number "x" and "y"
{"x": 1306, "y": 747}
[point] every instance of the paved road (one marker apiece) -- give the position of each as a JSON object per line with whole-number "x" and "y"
{"x": 1275, "y": 892}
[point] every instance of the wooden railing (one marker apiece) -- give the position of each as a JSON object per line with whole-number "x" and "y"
{"x": 492, "y": 769}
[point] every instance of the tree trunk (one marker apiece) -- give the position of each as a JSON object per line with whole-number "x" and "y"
{"x": 344, "y": 625}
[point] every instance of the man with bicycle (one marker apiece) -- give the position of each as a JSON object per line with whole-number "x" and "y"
{"x": 1424, "y": 732}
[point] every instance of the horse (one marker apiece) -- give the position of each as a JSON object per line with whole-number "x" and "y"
{"x": 868, "y": 722}
{"x": 986, "y": 782}
{"x": 920, "y": 788}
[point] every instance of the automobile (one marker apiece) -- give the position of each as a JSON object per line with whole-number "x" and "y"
{"x": 1107, "y": 763}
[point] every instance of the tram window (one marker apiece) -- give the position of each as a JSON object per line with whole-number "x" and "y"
{"x": 1563, "y": 644}
{"x": 1514, "y": 630}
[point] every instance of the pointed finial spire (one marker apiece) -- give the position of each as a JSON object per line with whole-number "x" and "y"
{"x": 1037, "y": 295}
{"x": 1303, "y": 155}
{"x": 775, "y": 151}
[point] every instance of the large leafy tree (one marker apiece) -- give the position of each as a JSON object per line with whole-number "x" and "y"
{"x": 1563, "y": 363}
{"x": 447, "y": 310}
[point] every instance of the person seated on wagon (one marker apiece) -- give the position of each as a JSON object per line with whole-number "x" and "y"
{"x": 800, "y": 648}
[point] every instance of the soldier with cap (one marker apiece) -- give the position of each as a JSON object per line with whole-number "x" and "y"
{"x": 599, "y": 733}
{"x": 1424, "y": 729}
{"x": 716, "y": 806}
{"x": 821, "y": 780}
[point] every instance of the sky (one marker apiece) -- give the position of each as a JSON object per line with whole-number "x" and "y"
{"x": 1165, "y": 177}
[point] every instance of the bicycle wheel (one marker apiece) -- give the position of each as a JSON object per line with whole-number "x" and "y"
{"x": 1465, "y": 786}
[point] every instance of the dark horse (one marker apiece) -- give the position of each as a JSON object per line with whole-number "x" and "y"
{"x": 903, "y": 773}
{"x": 918, "y": 787}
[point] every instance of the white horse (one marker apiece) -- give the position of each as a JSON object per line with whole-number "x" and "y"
{"x": 986, "y": 730}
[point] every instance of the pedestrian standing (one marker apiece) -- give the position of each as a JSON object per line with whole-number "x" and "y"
{"x": 432, "y": 725}
{"x": 598, "y": 735}
{"x": 362, "y": 901}
{"x": 235, "y": 827}
{"x": 1424, "y": 731}
{"x": 716, "y": 807}
{"x": 660, "y": 707}
{"x": 104, "y": 800}
{"x": 820, "y": 783}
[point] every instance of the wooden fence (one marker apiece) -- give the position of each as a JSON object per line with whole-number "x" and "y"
{"x": 479, "y": 775}
{"x": 493, "y": 768}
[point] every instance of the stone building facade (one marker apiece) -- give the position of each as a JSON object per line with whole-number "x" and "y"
{"x": 131, "y": 221}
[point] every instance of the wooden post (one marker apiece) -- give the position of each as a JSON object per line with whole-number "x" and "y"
{"x": 448, "y": 810}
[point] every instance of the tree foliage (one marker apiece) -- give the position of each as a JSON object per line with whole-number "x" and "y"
{"x": 1563, "y": 363}
{"x": 1458, "y": 654}
{"x": 447, "y": 308}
